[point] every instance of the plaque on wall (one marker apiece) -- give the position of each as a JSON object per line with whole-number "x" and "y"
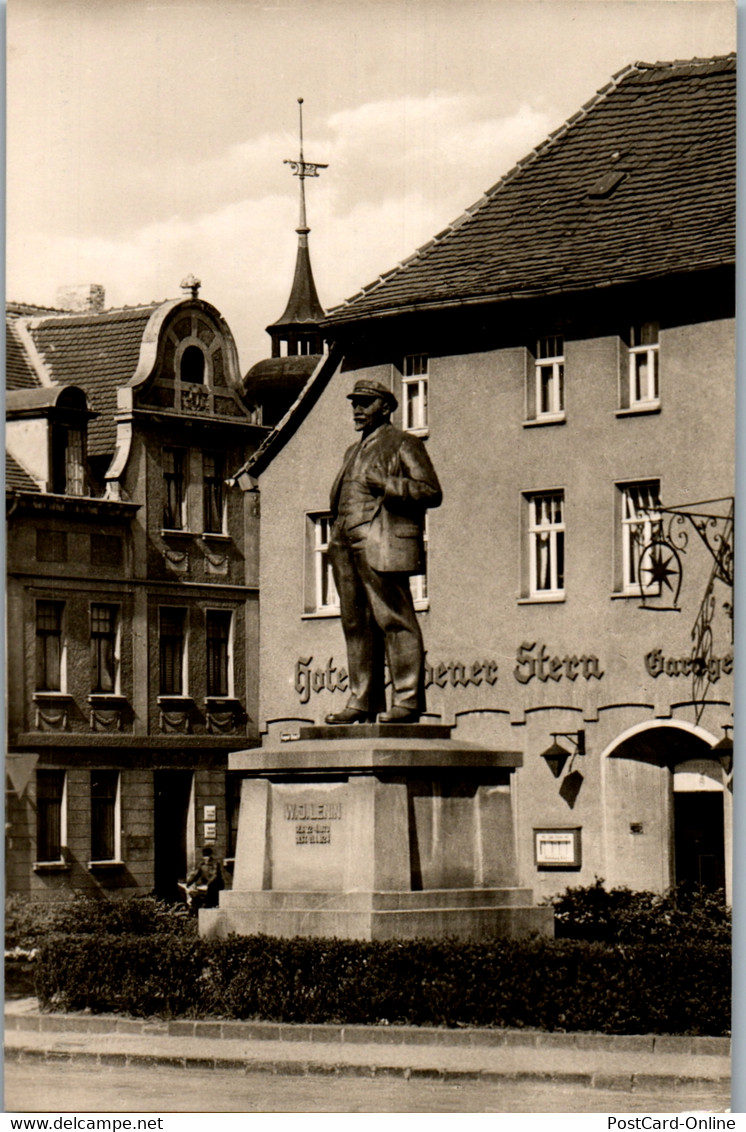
{"x": 557, "y": 848}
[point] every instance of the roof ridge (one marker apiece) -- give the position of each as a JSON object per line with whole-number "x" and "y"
{"x": 29, "y": 310}
{"x": 84, "y": 317}
{"x": 469, "y": 213}
{"x": 696, "y": 61}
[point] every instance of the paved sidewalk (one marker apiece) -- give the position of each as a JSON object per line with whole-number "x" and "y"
{"x": 626, "y": 1063}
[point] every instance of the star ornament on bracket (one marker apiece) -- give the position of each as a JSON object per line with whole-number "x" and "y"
{"x": 660, "y": 570}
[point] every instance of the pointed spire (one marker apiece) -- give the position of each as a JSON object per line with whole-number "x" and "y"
{"x": 298, "y": 324}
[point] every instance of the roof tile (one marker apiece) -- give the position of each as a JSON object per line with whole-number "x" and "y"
{"x": 539, "y": 229}
{"x": 16, "y": 477}
{"x": 99, "y": 352}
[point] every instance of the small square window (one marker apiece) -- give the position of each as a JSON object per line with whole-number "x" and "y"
{"x": 106, "y": 550}
{"x": 51, "y": 546}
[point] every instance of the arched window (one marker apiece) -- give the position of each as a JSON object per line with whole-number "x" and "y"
{"x": 193, "y": 365}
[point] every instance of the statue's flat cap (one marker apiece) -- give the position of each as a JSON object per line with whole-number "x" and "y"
{"x": 367, "y": 388}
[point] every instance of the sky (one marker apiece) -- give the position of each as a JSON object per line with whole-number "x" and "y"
{"x": 146, "y": 140}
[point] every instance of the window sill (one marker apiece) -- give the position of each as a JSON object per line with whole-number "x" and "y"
{"x": 316, "y": 614}
{"x": 632, "y": 594}
{"x": 52, "y": 867}
{"x": 173, "y": 532}
{"x": 423, "y": 433}
{"x": 543, "y": 599}
{"x": 52, "y": 698}
{"x": 104, "y": 866}
{"x": 221, "y": 703}
{"x": 175, "y": 703}
{"x": 549, "y": 419}
{"x": 107, "y": 700}
{"x": 639, "y": 410}
{"x": 421, "y": 606}
{"x": 215, "y": 536}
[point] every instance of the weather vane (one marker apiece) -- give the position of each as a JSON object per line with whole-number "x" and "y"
{"x": 303, "y": 169}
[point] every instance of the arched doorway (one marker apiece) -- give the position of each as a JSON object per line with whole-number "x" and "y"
{"x": 668, "y": 813}
{"x": 699, "y": 824}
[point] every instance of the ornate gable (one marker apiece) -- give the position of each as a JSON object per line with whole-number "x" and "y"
{"x": 190, "y": 355}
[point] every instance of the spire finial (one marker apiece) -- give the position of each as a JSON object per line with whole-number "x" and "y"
{"x": 302, "y": 169}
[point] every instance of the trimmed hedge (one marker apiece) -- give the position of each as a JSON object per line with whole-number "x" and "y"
{"x": 542, "y": 984}
{"x": 28, "y": 922}
{"x": 622, "y": 915}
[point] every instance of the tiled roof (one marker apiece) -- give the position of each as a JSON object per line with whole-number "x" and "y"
{"x": 640, "y": 183}
{"x": 16, "y": 478}
{"x": 19, "y": 310}
{"x": 98, "y": 352}
{"x": 303, "y": 305}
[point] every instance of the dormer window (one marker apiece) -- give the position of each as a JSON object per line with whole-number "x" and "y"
{"x": 192, "y": 367}
{"x": 68, "y": 460}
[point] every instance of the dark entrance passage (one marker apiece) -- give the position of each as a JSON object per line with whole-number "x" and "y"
{"x": 172, "y": 789}
{"x": 699, "y": 838}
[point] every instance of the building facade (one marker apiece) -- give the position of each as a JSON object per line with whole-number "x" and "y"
{"x": 566, "y": 349}
{"x": 132, "y": 603}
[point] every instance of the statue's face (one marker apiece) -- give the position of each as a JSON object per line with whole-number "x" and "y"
{"x": 368, "y": 413}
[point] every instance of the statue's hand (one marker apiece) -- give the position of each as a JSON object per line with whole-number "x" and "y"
{"x": 376, "y": 481}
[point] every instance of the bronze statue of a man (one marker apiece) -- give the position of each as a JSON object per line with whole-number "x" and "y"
{"x": 378, "y": 504}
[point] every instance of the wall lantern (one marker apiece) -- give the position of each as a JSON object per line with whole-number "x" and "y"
{"x": 724, "y": 750}
{"x": 245, "y": 481}
{"x": 556, "y": 756}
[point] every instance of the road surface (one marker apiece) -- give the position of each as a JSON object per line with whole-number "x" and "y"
{"x": 44, "y": 1087}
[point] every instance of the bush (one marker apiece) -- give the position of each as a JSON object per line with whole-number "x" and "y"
{"x": 29, "y": 922}
{"x": 546, "y": 984}
{"x": 624, "y": 916}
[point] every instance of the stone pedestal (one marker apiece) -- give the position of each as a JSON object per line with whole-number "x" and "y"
{"x": 376, "y": 832}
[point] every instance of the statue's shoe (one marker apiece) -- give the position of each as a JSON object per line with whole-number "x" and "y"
{"x": 399, "y": 715}
{"x": 348, "y": 715}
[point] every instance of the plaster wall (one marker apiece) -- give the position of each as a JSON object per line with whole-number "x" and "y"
{"x": 28, "y": 442}
{"x": 587, "y": 661}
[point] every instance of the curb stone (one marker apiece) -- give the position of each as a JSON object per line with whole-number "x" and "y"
{"x": 639, "y": 1083}
{"x": 327, "y": 1033}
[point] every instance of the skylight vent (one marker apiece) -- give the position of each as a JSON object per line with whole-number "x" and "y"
{"x": 606, "y": 185}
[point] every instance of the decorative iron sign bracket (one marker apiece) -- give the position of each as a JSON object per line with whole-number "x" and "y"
{"x": 659, "y": 567}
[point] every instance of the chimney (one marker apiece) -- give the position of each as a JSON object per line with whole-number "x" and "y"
{"x": 190, "y": 287}
{"x": 83, "y": 298}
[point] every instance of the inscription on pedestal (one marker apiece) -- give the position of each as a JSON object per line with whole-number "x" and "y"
{"x": 309, "y": 836}
{"x": 320, "y": 833}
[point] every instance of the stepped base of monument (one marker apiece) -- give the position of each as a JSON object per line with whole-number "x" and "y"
{"x": 463, "y": 913}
